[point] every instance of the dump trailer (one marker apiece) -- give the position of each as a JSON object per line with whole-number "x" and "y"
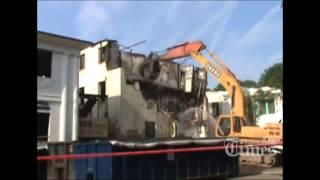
{"x": 170, "y": 158}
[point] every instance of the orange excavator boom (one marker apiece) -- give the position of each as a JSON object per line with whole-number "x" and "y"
{"x": 221, "y": 73}
{"x": 183, "y": 50}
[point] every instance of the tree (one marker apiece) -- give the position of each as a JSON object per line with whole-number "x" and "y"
{"x": 248, "y": 83}
{"x": 245, "y": 83}
{"x": 219, "y": 87}
{"x": 272, "y": 76}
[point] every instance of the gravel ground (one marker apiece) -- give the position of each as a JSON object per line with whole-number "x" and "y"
{"x": 259, "y": 173}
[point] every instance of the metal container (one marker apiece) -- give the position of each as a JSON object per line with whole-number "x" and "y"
{"x": 156, "y": 166}
{"x": 98, "y": 168}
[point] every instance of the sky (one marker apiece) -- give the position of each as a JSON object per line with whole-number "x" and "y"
{"x": 245, "y": 35}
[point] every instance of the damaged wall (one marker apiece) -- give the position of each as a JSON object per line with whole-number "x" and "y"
{"x": 93, "y": 121}
{"x": 144, "y": 95}
{"x": 129, "y": 110}
{"x": 152, "y": 91}
{"x": 139, "y": 68}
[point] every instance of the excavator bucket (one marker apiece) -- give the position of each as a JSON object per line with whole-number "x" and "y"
{"x": 182, "y": 50}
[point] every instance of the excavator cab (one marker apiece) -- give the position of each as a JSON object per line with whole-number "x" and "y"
{"x": 224, "y": 127}
{"x": 229, "y": 126}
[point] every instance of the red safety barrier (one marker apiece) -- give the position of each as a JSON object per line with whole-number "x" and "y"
{"x": 137, "y": 153}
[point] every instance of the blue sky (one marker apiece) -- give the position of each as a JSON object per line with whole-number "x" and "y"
{"x": 246, "y": 35}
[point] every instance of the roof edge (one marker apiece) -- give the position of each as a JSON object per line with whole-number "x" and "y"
{"x": 66, "y": 37}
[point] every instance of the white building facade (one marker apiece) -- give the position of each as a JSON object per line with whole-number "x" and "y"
{"x": 57, "y": 87}
{"x": 93, "y": 70}
{"x": 92, "y": 81}
{"x": 266, "y": 110}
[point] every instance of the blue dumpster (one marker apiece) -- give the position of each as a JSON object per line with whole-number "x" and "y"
{"x": 98, "y": 168}
{"x": 157, "y": 166}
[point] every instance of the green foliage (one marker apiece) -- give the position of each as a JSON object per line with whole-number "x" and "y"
{"x": 272, "y": 76}
{"x": 219, "y": 87}
{"x": 248, "y": 83}
{"x": 245, "y": 83}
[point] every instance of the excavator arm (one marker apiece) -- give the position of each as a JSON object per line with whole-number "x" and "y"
{"x": 221, "y": 73}
{"x": 229, "y": 81}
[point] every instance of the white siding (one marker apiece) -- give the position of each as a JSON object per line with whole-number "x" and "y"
{"x": 60, "y": 91}
{"x": 93, "y": 72}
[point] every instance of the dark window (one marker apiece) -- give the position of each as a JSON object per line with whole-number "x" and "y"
{"x": 102, "y": 89}
{"x": 102, "y": 54}
{"x": 150, "y": 129}
{"x": 262, "y": 108}
{"x": 81, "y": 92}
{"x": 82, "y": 61}
{"x": 112, "y": 55}
{"x": 44, "y": 63}
{"x": 224, "y": 127}
{"x": 271, "y": 108}
{"x": 182, "y": 80}
{"x": 237, "y": 124}
{"x": 42, "y": 125}
{"x": 168, "y": 104}
{"x": 215, "y": 109}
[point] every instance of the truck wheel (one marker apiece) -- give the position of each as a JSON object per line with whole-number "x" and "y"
{"x": 269, "y": 160}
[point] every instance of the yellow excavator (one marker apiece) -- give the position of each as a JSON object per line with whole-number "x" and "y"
{"x": 234, "y": 124}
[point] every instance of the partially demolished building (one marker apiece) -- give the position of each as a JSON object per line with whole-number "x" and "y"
{"x": 128, "y": 102}
{"x": 141, "y": 96}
